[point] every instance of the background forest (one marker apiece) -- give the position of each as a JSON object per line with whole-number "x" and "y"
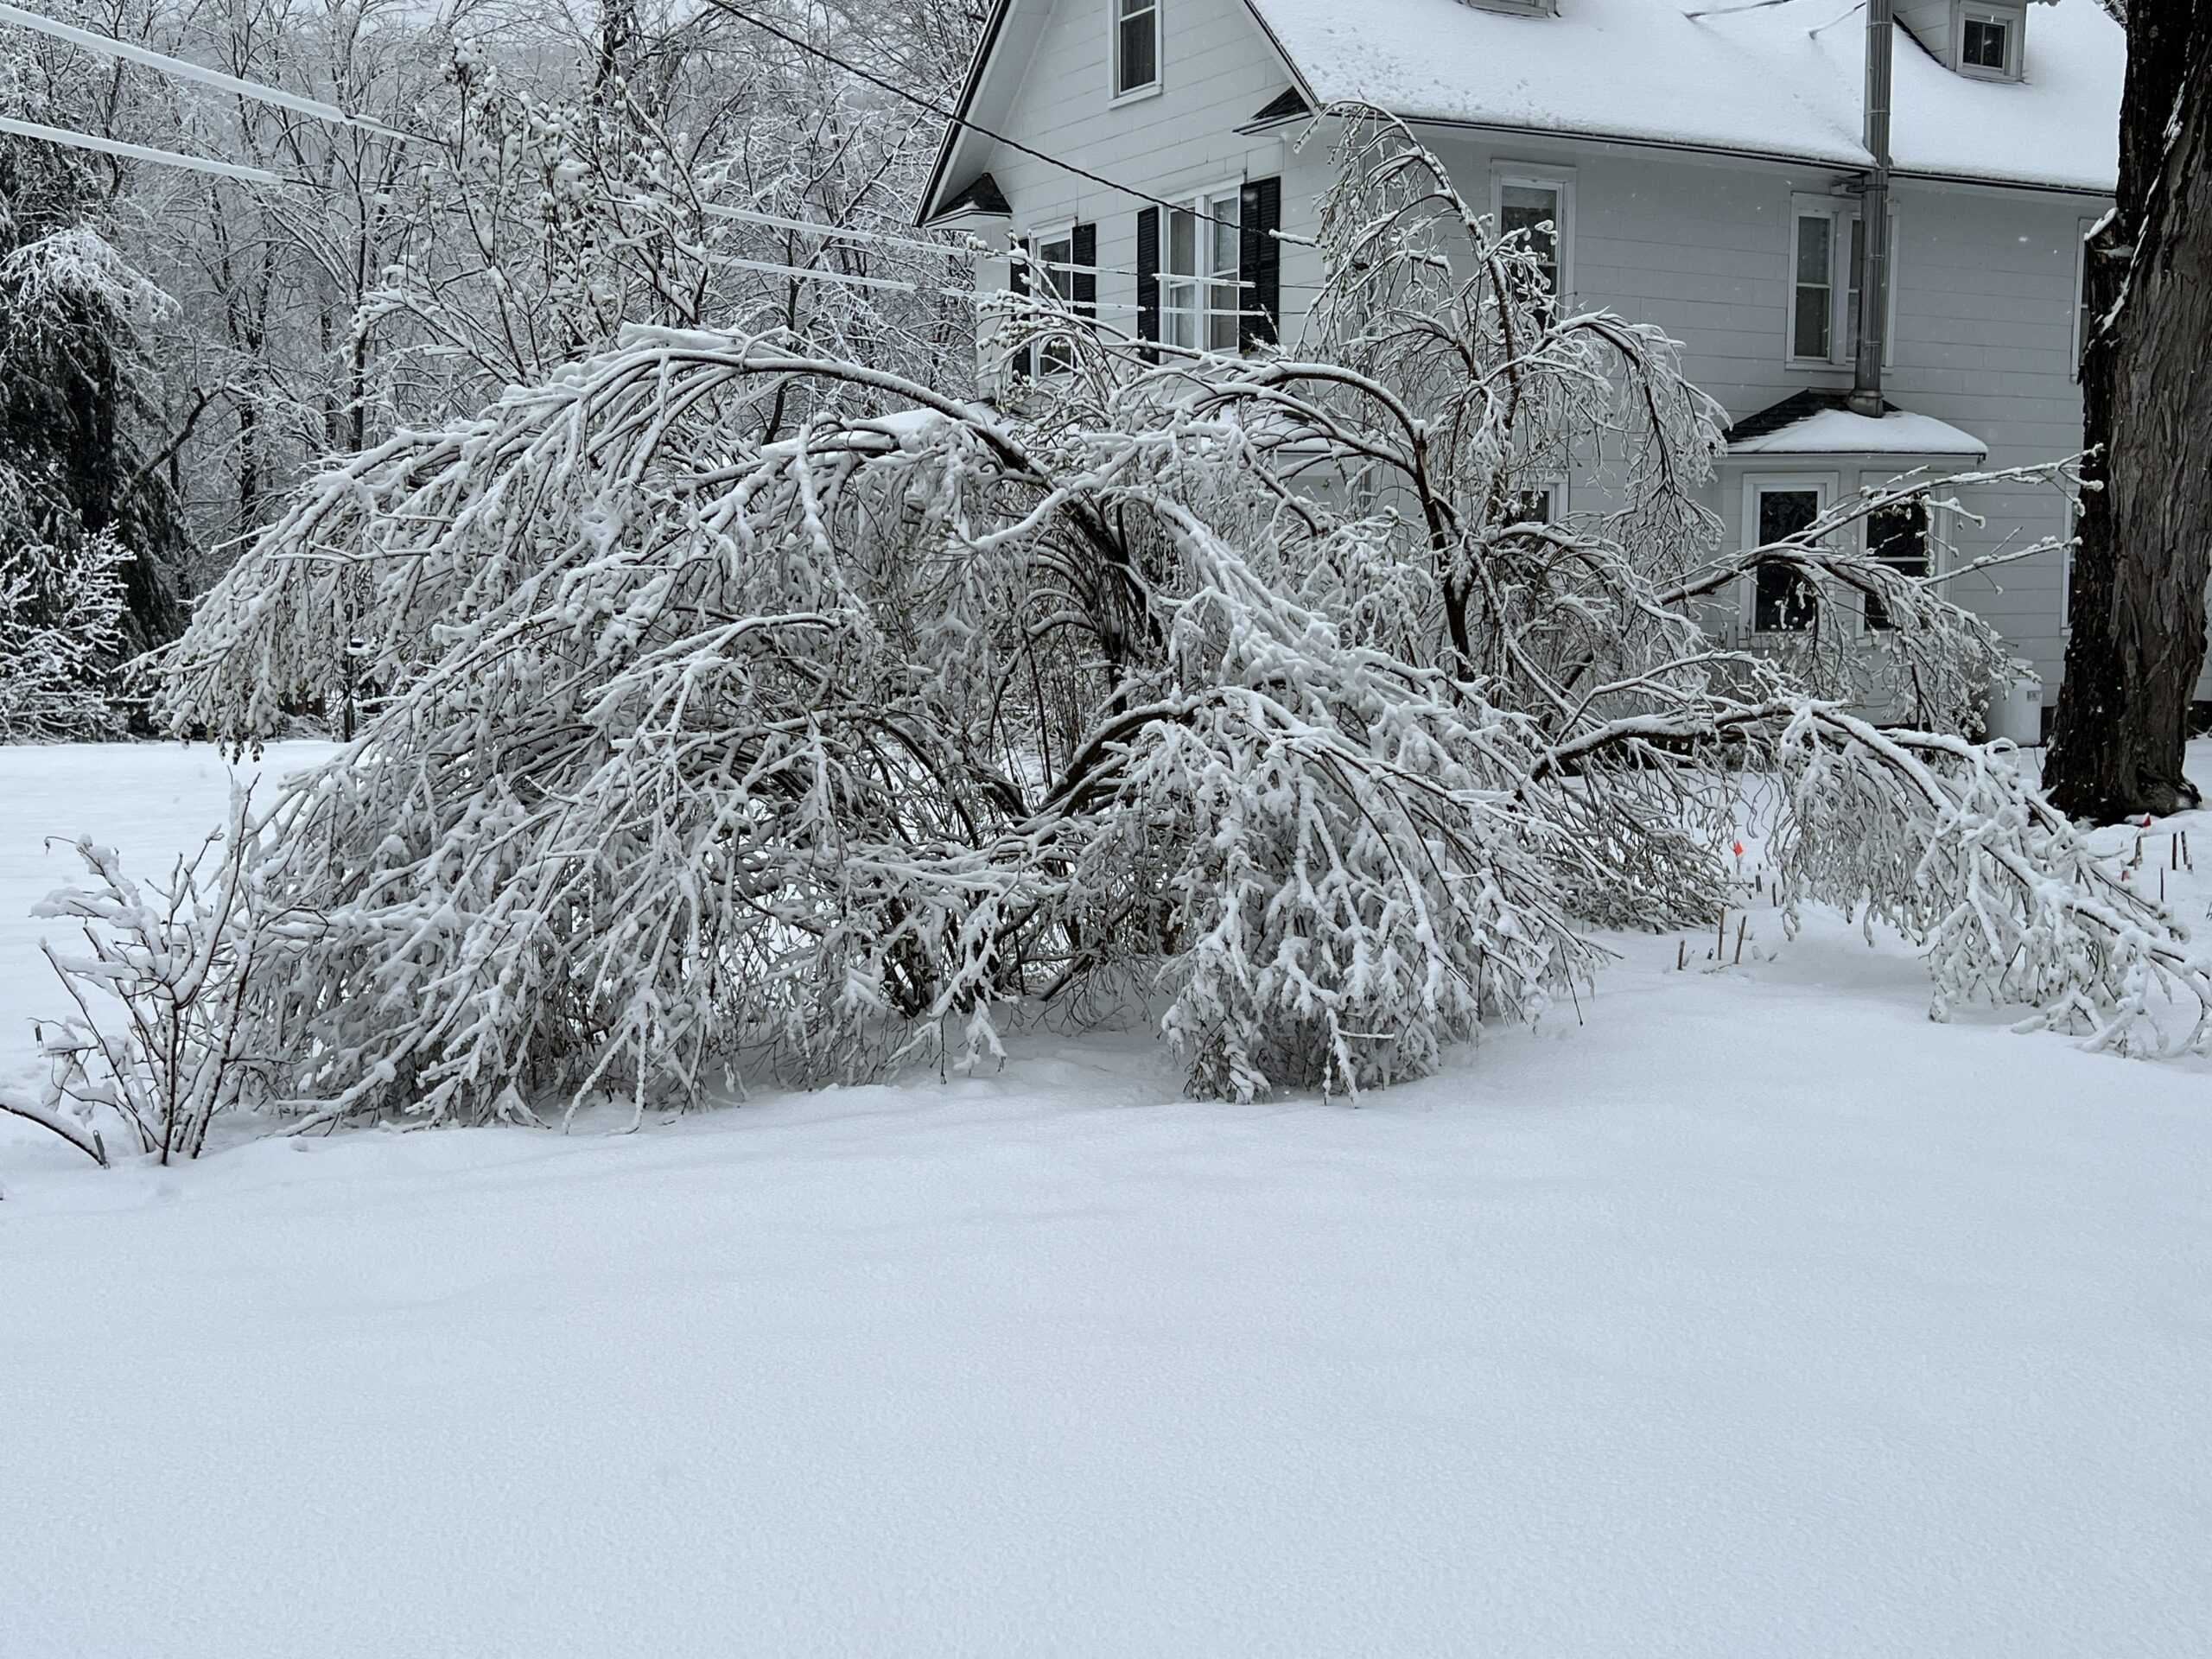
{"x": 179, "y": 348}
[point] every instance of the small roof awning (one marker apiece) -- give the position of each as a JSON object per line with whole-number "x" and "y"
{"x": 1821, "y": 422}
{"x": 981, "y": 195}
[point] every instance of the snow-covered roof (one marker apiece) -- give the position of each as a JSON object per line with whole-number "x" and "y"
{"x": 1781, "y": 79}
{"x": 1817, "y": 423}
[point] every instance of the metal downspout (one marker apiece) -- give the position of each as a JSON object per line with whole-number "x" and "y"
{"x": 1874, "y": 218}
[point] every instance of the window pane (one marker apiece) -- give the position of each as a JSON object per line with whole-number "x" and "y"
{"x": 1898, "y": 537}
{"x": 1182, "y": 308}
{"x": 1055, "y": 257}
{"x": 1983, "y": 43}
{"x": 1813, "y": 249}
{"x": 1811, "y": 316}
{"x": 2085, "y": 321}
{"x": 1221, "y": 323}
{"x": 1809, "y": 333}
{"x": 1138, "y": 60}
{"x": 1851, "y": 294}
{"x": 1783, "y": 513}
{"x": 1182, "y": 251}
{"x": 1533, "y": 209}
{"x": 1226, "y": 244}
{"x": 1782, "y": 600}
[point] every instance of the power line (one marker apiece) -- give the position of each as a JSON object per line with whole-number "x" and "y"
{"x": 842, "y": 233}
{"x": 943, "y": 114}
{"x": 184, "y": 69}
{"x": 70, "y": 140}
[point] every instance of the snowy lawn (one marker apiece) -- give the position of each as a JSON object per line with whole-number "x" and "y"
{"x": 1756, "y": 1316}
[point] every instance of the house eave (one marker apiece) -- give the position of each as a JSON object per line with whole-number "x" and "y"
{"x": 984, "y": 44}
{"x": 1837, "y": 163}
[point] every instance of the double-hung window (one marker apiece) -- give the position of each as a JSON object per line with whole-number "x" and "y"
{"x": 1199, "y": 275}
{"x": 1826, "y": 259}
{"x": 1055, "y": 256}
{"x": 2066, "y": 572}
{"x": 1060, "y": 264}
{"x": 1897, "y": 536}
{"x": 1812, "y": 293}
{"x": 1537, "y": 209}
{"x": 1136, "y": 47}
{"x": 2085, "y": 320}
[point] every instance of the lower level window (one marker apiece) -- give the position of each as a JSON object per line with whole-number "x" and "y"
{"x": 1782, "y": 600}
{"x": 1198, "y": 277}
{"x": 1056, "y": 276}
{"x": 1531, "y": 209}
{"x": 1898, "y": 537}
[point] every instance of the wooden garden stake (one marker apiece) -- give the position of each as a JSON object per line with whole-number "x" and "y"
{"x": 1742, "y": 922}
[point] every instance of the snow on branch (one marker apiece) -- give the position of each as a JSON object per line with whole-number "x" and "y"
{"x": 710, "y": 742}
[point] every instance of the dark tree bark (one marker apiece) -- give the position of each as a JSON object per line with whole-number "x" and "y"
{"x": 2138, "y": 604}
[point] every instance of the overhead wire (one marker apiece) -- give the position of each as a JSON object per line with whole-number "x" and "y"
{"x": 185, "y": 69}
{"x": 72, "y": 140}
{"x": 933, "y": 107}
{"x": 259, "y": 91}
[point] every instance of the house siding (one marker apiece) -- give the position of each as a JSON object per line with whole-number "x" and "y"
{"x": 1218, "y": 69}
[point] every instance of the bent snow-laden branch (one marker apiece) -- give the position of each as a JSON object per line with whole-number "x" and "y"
{"x": 1267, "y": 686}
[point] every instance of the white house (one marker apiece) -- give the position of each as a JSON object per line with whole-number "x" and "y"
{"x": 1702, "y": 162}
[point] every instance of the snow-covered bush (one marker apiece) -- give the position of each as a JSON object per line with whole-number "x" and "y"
{"x": 170, "y": 1030}
{"x": 1247, "y": 681}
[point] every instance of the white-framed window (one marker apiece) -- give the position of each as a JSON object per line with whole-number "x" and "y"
{"x": 2083, "y": 322}
{"x": 1989, "y": 42}
{"x": 1541, "y": 504}
{"x": 1826, "y": 248}
{"x": 1812, "y": 284}
{"x": 1541, "y": 205}
{"x": 1902, "y": 537}
{"x": 1776, "y": 506}
{"x": 1136, "y": 47}
{"x": 1199, "y": 252}
{"x": 2066, "y": 571}
{"x": 1052, "y": 249}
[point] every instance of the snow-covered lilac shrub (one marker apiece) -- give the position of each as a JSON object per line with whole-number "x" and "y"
{"x": 1254, "y": 682}
{"x": 170, "y": 1030}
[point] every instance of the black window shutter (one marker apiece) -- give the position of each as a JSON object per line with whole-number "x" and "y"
{"x": 1259, "y": 261}
{"x": 1084, "y": 291}
{"x": 1148, "y": 274}
{"x": 1017, "y": 274}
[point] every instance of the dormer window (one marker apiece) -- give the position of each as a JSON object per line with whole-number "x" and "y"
{"x": 1989, "y": 43}
{"x": 1136, "y": 47}
{"x": 1983, "y": 43}
{"x": 1978, "y": 38}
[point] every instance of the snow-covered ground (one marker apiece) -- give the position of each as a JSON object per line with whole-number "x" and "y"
{"x": 1754, "y": 1315}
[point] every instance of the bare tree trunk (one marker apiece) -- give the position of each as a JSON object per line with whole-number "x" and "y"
{"x": 2138, "y": 604}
